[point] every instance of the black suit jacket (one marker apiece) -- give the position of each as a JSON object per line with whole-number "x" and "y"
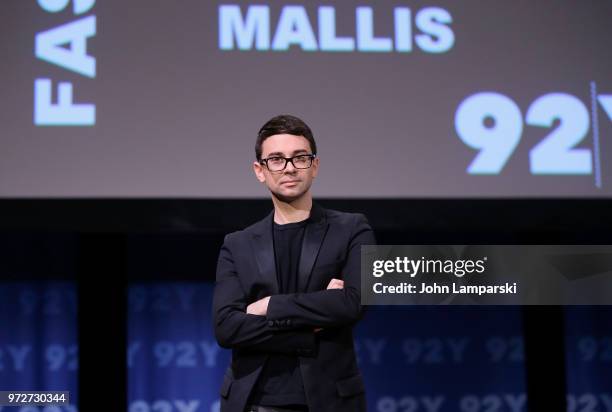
{"x": 246, "y": 272}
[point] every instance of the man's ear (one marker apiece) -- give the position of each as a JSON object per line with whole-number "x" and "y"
{"x": 315, "y": 167}
{"x": 259, "y": 172}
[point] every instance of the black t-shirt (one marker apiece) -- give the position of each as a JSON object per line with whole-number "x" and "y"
{"x": 280, "y": 382}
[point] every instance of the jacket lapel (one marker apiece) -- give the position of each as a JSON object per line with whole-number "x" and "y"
{"x": 313, "y": 238}
{"x": 263, "y": 248}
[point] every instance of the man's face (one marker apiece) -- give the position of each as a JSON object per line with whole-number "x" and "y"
{"x": 291, "y": 183}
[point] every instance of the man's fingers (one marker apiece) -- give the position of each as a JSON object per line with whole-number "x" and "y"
{"x": 335, "y": 284}
{"x": 259, "y": 307}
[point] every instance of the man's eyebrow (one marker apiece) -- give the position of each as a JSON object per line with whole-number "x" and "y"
{"x": 274, "y": 154}
{"x": 281, "y": 154}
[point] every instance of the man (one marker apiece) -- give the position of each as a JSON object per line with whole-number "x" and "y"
{"x": 288, "y": 290}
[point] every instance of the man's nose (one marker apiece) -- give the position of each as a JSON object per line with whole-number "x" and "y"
{"x": 290, "y": 168}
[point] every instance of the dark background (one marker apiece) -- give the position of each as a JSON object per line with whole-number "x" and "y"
{"x": 106, "y": 245}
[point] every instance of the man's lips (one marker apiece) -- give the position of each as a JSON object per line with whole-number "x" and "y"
{"x": 289, "y": 182}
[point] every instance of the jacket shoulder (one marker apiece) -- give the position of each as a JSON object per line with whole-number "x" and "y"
{"x": 339, "y": 217}
{"x": 333, "y": 214}
{"x": 334, "y": 217}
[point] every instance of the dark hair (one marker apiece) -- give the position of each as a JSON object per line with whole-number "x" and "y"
{"x": 284, "y": 124}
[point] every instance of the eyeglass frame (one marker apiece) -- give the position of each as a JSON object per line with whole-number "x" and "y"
{"x": 312, "y": 157}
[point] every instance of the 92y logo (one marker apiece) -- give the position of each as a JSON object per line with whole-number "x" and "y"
{"x": 493, "y": 124}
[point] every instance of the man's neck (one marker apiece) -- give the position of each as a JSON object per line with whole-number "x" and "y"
{"x": 294, "y": 211}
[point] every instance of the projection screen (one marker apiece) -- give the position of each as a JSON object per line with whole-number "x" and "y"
{"x": 469, "y": 99}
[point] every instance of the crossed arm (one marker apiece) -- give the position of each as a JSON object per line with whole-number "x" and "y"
{"x": 255, "y": 326}
{"x": 260, "y": 307}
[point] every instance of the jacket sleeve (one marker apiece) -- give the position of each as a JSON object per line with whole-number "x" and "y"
{"x": 331, "y": 307}
{"x": 235, "y": 329}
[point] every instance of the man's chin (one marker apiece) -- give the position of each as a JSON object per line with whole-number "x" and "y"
{"x": 288, "y": 197}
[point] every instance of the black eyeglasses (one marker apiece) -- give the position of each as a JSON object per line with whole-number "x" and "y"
{"x": 278, "y": 163}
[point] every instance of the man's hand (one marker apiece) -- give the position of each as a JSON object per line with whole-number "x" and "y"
{"x": 333, "y": 284}
{"x": 259, "y": 308}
